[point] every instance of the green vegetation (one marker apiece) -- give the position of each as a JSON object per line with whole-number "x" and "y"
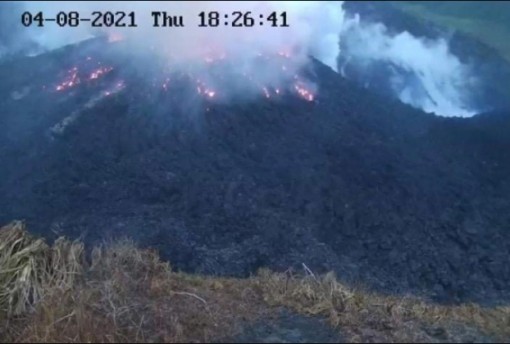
{"x": 487, "y": 21}
{"x": 125, "y": 294}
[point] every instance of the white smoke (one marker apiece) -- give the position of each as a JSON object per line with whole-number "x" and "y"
{"x": 430, "y": 77}
{"x": 313, "y": 27}
{"x": 439, "y": 84}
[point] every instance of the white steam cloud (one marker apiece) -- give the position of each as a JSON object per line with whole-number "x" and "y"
{"x": 425, "y": 74}
{"x": 439, "y": 82}
{"x": 313, "y": 27}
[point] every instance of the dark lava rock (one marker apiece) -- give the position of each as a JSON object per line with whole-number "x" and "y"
{"x": 287, "y": 327}
{"x": 384, "y": 194}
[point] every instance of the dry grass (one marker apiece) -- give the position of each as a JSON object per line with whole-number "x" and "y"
{"x": 124, "y": 294}
{"x": 365, "y": 316}
{"x": 29, "y": 267}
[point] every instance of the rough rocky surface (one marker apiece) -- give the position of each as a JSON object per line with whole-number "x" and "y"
{"x": 385, "y": 195}
{"x": 286, "y": 327}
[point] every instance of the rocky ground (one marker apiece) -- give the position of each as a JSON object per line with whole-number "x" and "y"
{"x": 385, "y": 195}
{"x": 288, "y": 327}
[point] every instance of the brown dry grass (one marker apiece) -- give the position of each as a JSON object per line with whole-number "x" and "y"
{"x": 29, "y": 267}
{"x": 124, "y": 294}
{"x": 365, "y": 316}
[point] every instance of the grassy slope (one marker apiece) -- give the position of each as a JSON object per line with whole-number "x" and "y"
{"x": 126, "y": 294}
{"x": 487, "y": 21}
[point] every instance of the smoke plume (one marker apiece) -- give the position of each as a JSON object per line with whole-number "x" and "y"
{"x": 313, "y": 28}
{"x": 423, "y": 73}
{"x": 419, "y": 71}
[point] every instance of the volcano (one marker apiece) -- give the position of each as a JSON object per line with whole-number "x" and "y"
{"x": 316, "y": 170}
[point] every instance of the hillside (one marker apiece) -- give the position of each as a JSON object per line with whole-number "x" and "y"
{"x": 245, "y": 191}
{"x": 372, "y": 189}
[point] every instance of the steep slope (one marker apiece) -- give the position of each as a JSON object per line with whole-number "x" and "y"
{"x": 379, "y": 192}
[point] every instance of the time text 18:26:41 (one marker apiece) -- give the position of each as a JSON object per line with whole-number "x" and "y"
{"x": 242, "y": 19}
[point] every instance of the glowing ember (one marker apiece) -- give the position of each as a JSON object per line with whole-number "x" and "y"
{"x": 75, "y": 77}
{"x": 304, "y": 93}
{"x": 97, "y": 73}
{"x": 266, "y": 92}
{"x": 165, "y": 84}
{"x": 203, "y": 89}
{"x": 212, "y": 87}
{"x": 71, "y": 80}
{"x": 119, "y": 86}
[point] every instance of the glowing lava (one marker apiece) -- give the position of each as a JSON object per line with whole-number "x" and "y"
{"x": 76, "y": 76}
{"x": 71, "y": 80}
{"x": 304, "y": 92}
{"x": 213, "y": 80}
{"x": 119, "y": 86}
{"x": 205, "y": 90}
{"x": 99, "y": 72}
{"x": 266, "y": 92}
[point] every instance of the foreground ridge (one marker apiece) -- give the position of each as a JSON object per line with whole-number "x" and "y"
{"x": 121, "y": 293}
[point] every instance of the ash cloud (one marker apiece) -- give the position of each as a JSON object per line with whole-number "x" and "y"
{"x": 313, "y": 30}
{"x": 420, "y": 72}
